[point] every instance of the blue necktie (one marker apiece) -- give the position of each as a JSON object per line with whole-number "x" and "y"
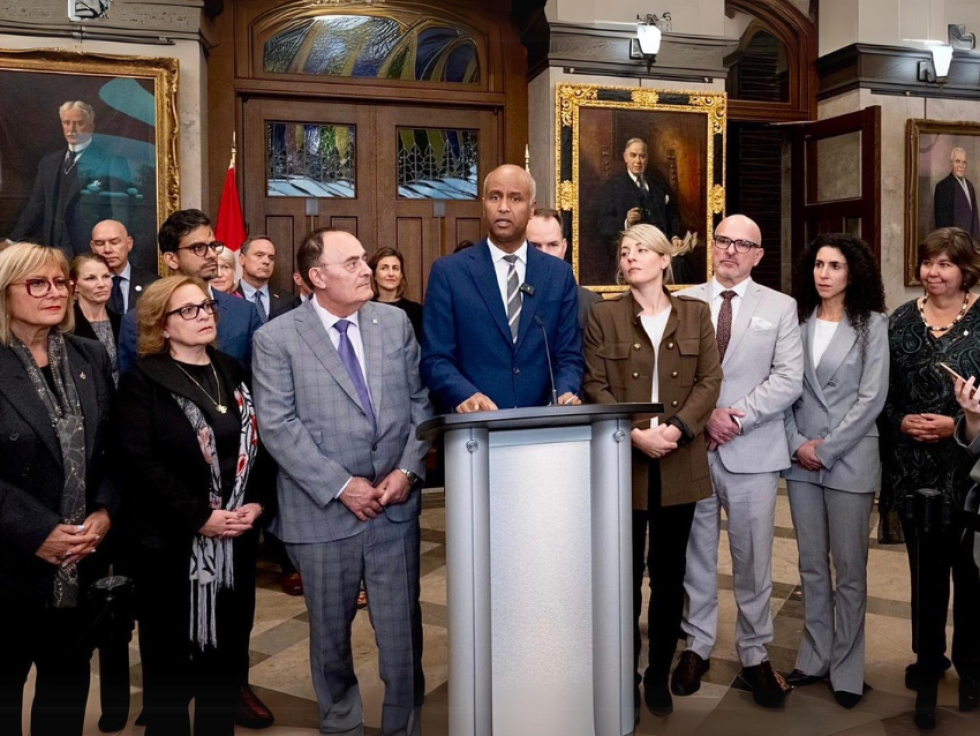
{"x": 260, "y": 307}
{"x": 349, "y": 358}
{"x": 116, "y": 303}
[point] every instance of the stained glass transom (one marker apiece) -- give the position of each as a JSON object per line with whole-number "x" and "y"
{"x": 437, "y": 164}
{"x": 413, "y": 49}
{"x": 310, "y": 160}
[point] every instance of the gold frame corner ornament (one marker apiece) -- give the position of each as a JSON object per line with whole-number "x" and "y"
{"x": 165, "y": 74}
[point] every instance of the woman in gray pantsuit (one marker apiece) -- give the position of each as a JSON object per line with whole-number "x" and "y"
{"x": 836, "y": 471}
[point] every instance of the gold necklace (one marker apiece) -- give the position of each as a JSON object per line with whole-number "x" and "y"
{"x": 222, "y": 409}
{"x": 951, "y": 325}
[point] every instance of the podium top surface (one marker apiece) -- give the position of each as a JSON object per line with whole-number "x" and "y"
{"x": 534, "y": 417}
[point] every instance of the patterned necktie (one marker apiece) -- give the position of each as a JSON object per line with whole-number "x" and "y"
{"x": 257, "y": 298}
{"x": 70, "y": 160}
{"x": 725, "y": 322}
{"x": 349, "y": 358}
{"x": 641, "y": 184}
{"x": 116, "y": 296}
{"x": 513, "y": 297}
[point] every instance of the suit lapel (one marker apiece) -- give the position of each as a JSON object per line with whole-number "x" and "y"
{"x": 16, "y": 386}
{"x": 373, "y": 342}
{"x": 485, "y": 277}
{"x": 808, "y": 328}
{"x": 83, "y": 374}
{"x": 840, "y": 345}
{"x": 310, "y": 328}
{"x": 746, "y": 310}
{"x": 529, "y": 304}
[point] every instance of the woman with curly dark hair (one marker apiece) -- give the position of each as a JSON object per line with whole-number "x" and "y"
{"x": 920, "y": 451}
{"x": 836, "y": 468}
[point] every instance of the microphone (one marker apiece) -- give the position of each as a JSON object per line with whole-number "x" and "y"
{"x": 526, "y": 289}
{"x": 551, "y": 373}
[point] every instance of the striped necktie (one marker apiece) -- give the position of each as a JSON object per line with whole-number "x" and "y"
{"x": 513, "y": 296}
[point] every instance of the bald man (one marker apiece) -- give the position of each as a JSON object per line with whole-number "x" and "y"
{"x": 762, "y": 358}
{"x": 112, "y": 241}
{"x": 955, "y": 199}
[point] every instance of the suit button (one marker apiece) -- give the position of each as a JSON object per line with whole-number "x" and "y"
{"x": 26, "y": 473}
{"x": 636, "y": 346}
{"x": 673, "y": 403}
{"x": 831, "y": 383}
{"x": 670, "y": 346}
{"x": 374, "y": 447}
{"x": 636, "y": 375}
{"x": 14, "y": 437}
{"x": 517, "y": 371}
{"x": 674, "y": 374}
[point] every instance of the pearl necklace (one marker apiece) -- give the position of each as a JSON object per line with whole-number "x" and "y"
{"x": 951, "y": 325}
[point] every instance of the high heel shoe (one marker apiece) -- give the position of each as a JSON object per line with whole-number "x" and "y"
{"x": 925, "y": 703}
{"x": 969, "y": 694}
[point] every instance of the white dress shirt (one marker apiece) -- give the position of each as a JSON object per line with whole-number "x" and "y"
{"x": 716, "y": 299}
{"x": 502, "y": 268}
{"x": 124, "y": 284}
{"x": 654, "y": 325}
{"x": 823, "y": 333}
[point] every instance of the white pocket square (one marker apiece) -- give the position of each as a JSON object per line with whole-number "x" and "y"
{"x": 758, "y": 323}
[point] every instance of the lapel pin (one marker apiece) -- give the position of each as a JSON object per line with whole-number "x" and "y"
{"x": 82, "y": 376}
{"x": 374, "y": 321}
{"x": 139, "y": 288}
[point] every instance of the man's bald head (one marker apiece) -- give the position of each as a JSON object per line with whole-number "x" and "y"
{"x": 733, "y": 234}
{"x": 112, "y": 241}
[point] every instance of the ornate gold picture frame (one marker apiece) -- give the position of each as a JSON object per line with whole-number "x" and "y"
{"x": 683, "y": 191}
{"x": 932, "y": 190}
{"x": 129, "y": 170}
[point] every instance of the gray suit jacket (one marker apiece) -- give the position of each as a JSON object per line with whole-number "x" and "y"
{"x": 842, "y": 398}
{"x": 763, "y": 369}
{"x": 312, "y": 422}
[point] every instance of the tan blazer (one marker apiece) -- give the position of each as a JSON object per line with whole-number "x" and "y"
{"x": 619, "y": 368}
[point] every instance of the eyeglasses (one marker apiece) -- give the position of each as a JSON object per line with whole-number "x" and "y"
{"x": 39, "y": 287}
{"x": 191, "y": 311}
{"x": 201, "y": 249}
{"x": 741, "y": 246}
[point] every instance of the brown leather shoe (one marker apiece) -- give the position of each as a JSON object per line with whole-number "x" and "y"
{"x": 686, "y": 679}
{"x": 292, "y": 584}
{"x": 769, "y": 688}
{"x": 252, "y": 712}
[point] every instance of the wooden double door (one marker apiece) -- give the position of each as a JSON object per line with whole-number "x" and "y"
{"x": 371, "y": 140}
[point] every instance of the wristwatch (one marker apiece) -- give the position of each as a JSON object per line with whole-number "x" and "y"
{"x": 413, "y": 478}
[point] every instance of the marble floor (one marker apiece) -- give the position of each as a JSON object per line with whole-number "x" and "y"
{"x": 280, "y": 657}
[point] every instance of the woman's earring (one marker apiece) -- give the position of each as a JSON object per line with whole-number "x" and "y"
{"x": 166, "y": 335}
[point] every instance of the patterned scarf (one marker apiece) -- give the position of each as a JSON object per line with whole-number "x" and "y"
{"x": 69, "y": 425}
{"x": 212, "y": 561}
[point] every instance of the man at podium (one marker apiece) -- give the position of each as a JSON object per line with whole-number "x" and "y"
{"x": 499, "y": 316}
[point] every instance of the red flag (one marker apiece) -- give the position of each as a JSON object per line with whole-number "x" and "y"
{"x": 230, "y": 229}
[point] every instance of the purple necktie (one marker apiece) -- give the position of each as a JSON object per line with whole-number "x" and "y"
{"x": 349, "y": 358}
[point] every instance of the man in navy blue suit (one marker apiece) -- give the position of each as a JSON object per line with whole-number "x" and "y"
{"x": 187, "y": 245}
{"x": 488, "y": 308}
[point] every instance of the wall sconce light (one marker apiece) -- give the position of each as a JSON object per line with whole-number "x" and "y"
{"x": 936, "y": 71}
{"x": 646, "y": 45}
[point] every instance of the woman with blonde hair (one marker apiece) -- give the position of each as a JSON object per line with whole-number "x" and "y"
{"x": 651, "y": 346}
{"x": 56, "y": 500}
{"x": 189, "y": 446}
{"x": 227, "y": 278}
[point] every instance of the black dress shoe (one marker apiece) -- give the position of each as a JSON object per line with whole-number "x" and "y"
{"x": 686, "y": 679}
{"x": 769, "y": 688}
{"x": 847, "y": 700}
{"x": 912, "y": 674}
{"x": 657, "y": 696}
{"x": 799, "y": 678}
{"x": 115, "y": 721}
{"x": 969, "y": 694}
{"x": 252, "y": 712}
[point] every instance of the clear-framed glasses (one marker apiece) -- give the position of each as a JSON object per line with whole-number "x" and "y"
{"x": 190, "y": 311}
{"x": 741, "y": 246}
{"x": 39, "y": 287}
{"x": 201, "y": 249}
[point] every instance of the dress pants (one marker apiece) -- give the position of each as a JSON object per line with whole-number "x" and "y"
{"x": 832, "y": 523}
{"x": 58, "y": 643}
{"x": 386, "y": 556}
{"x": 175, "y": 669}
{"x": 749, "y": 501}
{"x": 669, "y": 527}
{"x": 956, "y": 558}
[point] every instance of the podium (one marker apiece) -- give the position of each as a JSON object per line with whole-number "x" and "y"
{"x": 539, "y": 587}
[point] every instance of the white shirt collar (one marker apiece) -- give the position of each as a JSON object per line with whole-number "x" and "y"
{"x": 249, "y": 291}
{"x": 634, "y": 177}
{"x": 329, "y": 319}
{"x": 497, "y": 255}
{"x": 80, "y": 147}
{"x": 127, "y": 272}
{"x": 739, "y": 289}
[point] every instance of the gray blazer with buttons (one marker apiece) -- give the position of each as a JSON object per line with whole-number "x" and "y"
{"x": 842, "y": 398}
{"x": 312, "y": 422}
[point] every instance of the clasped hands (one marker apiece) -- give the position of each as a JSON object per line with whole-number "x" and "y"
{"x": 722, "y": 427}
{"x": 366, "y": 501}
{"x": 229, "y": 524}
{"x": 656, "y": 441}
{"x": 928, "y": 427}
{"x": 482, "y": 402}
{"x": 68, "y": 543}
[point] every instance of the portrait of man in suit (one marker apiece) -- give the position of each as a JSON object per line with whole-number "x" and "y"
{"x": 761, "y": 351}
{"x": 955, "y": 199}
{"x": 75, "y": 187}
{"x": 112, "y": 241}
{"x": 339, "y": 400}
{"x": 257, "y": 257}
{"x": 496, "y": 311}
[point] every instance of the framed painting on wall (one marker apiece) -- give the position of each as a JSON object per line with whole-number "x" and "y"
{"x": 83, "y": 138}
{"x": 637, "y": 155}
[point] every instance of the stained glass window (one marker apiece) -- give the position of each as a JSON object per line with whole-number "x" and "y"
{"x": 310, "y": 160}
{"x": 437, "y": 164}
{"x": 410, "y": 48}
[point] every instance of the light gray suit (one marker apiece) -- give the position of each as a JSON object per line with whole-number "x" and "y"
{"x": 763, "y": 368}
{"x": 842, "y": 397}
{"x": 314, "y": 426}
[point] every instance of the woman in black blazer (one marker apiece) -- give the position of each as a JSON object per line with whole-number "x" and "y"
{"x": 56, "y": 501}
{"x": 93, "y": 287}
{"x": 189, "y": 448}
